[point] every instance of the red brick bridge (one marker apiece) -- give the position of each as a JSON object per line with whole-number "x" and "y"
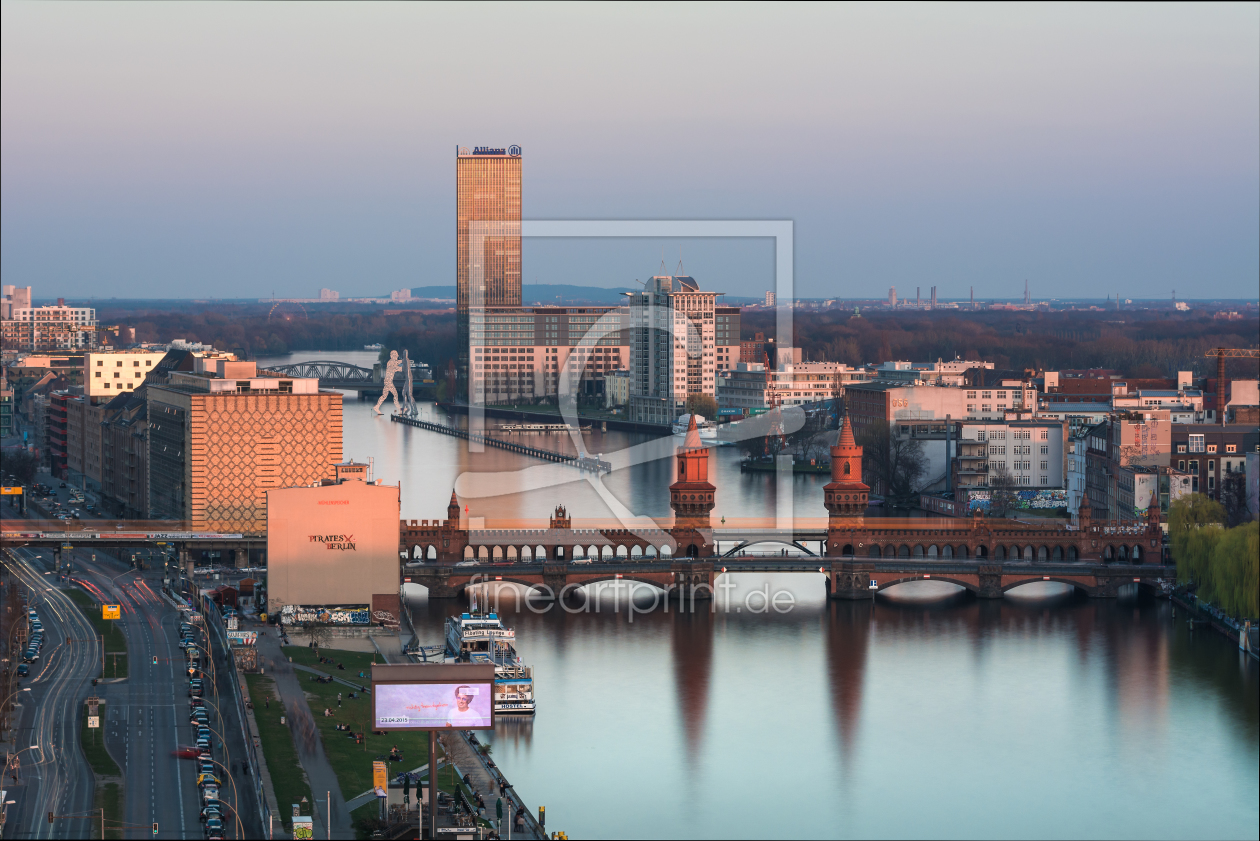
{"x": 860, "y": 555}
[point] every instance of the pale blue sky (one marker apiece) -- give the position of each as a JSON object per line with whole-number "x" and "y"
{"x": 233, "y": 149}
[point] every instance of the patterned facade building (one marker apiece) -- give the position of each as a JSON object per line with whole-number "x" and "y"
{"x": 218, "y": 443}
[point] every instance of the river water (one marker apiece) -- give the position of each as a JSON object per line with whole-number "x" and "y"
{"x": 923, "y": 713}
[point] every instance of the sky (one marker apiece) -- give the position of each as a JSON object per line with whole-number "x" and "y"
{"x": 244, "y": 149}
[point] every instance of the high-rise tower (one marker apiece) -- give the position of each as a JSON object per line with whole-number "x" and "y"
{"x": 487, "y": 234}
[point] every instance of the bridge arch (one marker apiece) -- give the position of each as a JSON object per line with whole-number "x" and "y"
{"x": 795, "y": 544}
{"x": 1077, "y": 585}
{"x": 970, "y": 586}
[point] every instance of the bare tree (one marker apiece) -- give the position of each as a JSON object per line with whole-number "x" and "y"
{"x": 1001, "y": 490}
{"x": 317, "y": 633}
{"x": 892, "y": 465}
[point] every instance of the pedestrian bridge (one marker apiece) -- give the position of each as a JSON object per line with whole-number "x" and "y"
{"x": 346, "y": 377}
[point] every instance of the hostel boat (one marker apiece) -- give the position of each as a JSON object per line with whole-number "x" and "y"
{"x": 481, "y": 638}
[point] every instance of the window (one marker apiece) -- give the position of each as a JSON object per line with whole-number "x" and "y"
{"x": 1194, "y": 465}
{"x": 1045, "y": 465}
{"x": 1211, "y": 448}
{"x": 1211, "y": 482}
{"x": 971, "y": 395}
{"x": 1181, "y": 465}
{"x": 1231, "y": 448}
{"x": 98, "y": 374}
{"x": 1181, "y": 448}
{"x": 987, "y": 395}
{"x": 1045, "y": 480}
{"x": 1045, "y": 435}
{"x": 1045, "y": 449}
{"x": 1211, "y": 465}
{"x": 1196, "y": 444}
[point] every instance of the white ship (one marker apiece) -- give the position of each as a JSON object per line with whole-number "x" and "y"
{"x": 707, "y": 428}
{"x": 374, "y": 347}
{"x": 481, "y": 638}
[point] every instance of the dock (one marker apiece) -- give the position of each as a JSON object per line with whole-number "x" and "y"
{"x": 585, "y": 463}
{"x": 542, "y": 427}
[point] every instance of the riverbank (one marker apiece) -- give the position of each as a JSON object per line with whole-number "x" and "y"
{"x": 1190, "y": 604}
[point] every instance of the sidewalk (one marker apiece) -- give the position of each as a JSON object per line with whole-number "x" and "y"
{"x": 318, "y": 770}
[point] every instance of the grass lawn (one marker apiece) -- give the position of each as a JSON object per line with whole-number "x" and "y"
{"x": 353, "y": 762}
{"x": 109, "y": 790}
{"x": 354, "y": 661}
{"x": 115, "y": 640}
{"x": 287, "y": 777}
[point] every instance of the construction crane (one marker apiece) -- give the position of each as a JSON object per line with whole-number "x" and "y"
{"x": 1221, "y": 354}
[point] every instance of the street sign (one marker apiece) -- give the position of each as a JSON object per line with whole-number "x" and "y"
{"x": 94, "y": 722}
{"x": 111, "y": 611}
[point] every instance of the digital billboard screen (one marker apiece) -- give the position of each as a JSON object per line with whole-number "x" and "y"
{"x": 433, "y": 697}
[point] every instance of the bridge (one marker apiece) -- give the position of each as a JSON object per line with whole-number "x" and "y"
{"x": 346, "y": 377}
{"x": 845, "y": 578}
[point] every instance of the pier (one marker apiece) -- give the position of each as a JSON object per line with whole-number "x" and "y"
{"x": 594, "y": 465}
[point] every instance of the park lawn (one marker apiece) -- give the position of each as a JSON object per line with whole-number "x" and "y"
{"x": 288, "y": 780}
{"x": 115, "y": 639}
{"x": 353, "y": 762}
{"x": 354, "y": 661}
{"x": 109, "y": 790}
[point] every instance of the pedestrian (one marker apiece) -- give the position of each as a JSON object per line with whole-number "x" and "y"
{"x": 267, "y": 703}
{"x": 338, "y": 696}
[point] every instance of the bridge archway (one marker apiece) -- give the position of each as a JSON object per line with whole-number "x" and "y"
{"x": 469, "y": 554}
{"x": 527, "y": 554}
{"x": 907, "y": 579}
{"x": 606, "y": 553}
{"x": 1043, "y": 579}
{"x": 903, "y": 551}
{"x": 793, "y": 544}
{"x": 981, "y": 551}
{"x": 636, "y": 551}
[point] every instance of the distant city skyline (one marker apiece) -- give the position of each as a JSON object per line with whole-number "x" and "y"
{"x": 202, "y": 150}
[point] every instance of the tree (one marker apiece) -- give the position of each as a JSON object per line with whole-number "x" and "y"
{"x": 1234, "y": 498}
{"x": 317, "y": 633}
{"x": 21, "y": 464}
{"x": 703, "y": 405}
{"x": 1001, "y": 491}
{"x": 890, "y": 463}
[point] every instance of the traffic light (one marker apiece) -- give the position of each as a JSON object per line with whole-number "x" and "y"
{"x": 155, "y": 827}
{"x": 50, "y": 817}
{"x": 155, "y": 659}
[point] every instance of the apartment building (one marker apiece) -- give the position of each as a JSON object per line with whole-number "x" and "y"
{"x": 108, "y": 372}
{"x": 48, "y": 328}
{"x": 1208, "y": 452}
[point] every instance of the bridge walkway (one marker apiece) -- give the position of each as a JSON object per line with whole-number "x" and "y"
{"x": 580, "y": 462}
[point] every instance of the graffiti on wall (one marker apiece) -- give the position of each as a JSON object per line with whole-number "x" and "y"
{"x": 1020, "y": 500}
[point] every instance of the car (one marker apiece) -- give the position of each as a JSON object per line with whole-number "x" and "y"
{"x": 581, "y": 561}
{"x": 203, "y": 747}
{"x": 204, "y": 780}
{"x": 185, "y": 753}
{"x": 209, "y": 793}
{"x": 466, "y": 564}
{"x": 23, "y": 670}
{"x": 214, "y": 825}
{"x": 197, "y": 703}
{"x": 30, "y": 656}
{"x": 63, "y": 484}
{"x": 195, "y": 691}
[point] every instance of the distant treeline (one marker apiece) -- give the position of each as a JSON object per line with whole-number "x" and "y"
{"x": 261, "y": 332}
{"x": 1137, "y": 343}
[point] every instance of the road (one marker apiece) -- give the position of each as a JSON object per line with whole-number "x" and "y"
{"x": 54, "y": 775}
{"x": 147, "y": 715}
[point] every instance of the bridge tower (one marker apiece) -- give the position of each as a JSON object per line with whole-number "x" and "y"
{"x": 845, "y": 495}
{"x": 691, "y": 496}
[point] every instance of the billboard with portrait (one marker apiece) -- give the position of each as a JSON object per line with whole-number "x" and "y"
{"x": 433, "y": 697}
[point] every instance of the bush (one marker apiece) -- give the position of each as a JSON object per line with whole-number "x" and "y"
{"x": 1223, "y": 563}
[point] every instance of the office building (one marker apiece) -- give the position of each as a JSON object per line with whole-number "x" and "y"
{"x": 222, "y": 435}
{"x": 752, "y": 388}
{"x": 531, "y": 354}
{"x": 673, "y": 351}
{"x": 770, "y": 296}
{"x": 487, "y": 235}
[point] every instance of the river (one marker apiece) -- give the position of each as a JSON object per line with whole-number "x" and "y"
{"x": 923, "y": 713}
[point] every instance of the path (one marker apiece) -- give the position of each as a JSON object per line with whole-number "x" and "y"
{"x": 319, "y": 771}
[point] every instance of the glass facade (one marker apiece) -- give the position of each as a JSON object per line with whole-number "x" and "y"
{"x": 488, "y": 256}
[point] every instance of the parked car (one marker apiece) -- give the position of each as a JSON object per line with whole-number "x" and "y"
{"x": 23, "y": 670}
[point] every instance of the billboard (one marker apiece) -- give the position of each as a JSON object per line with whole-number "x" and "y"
{"x": 335, "y": 545}
{"x": 111, "y": 611}
{"x": 433, "y": 697}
